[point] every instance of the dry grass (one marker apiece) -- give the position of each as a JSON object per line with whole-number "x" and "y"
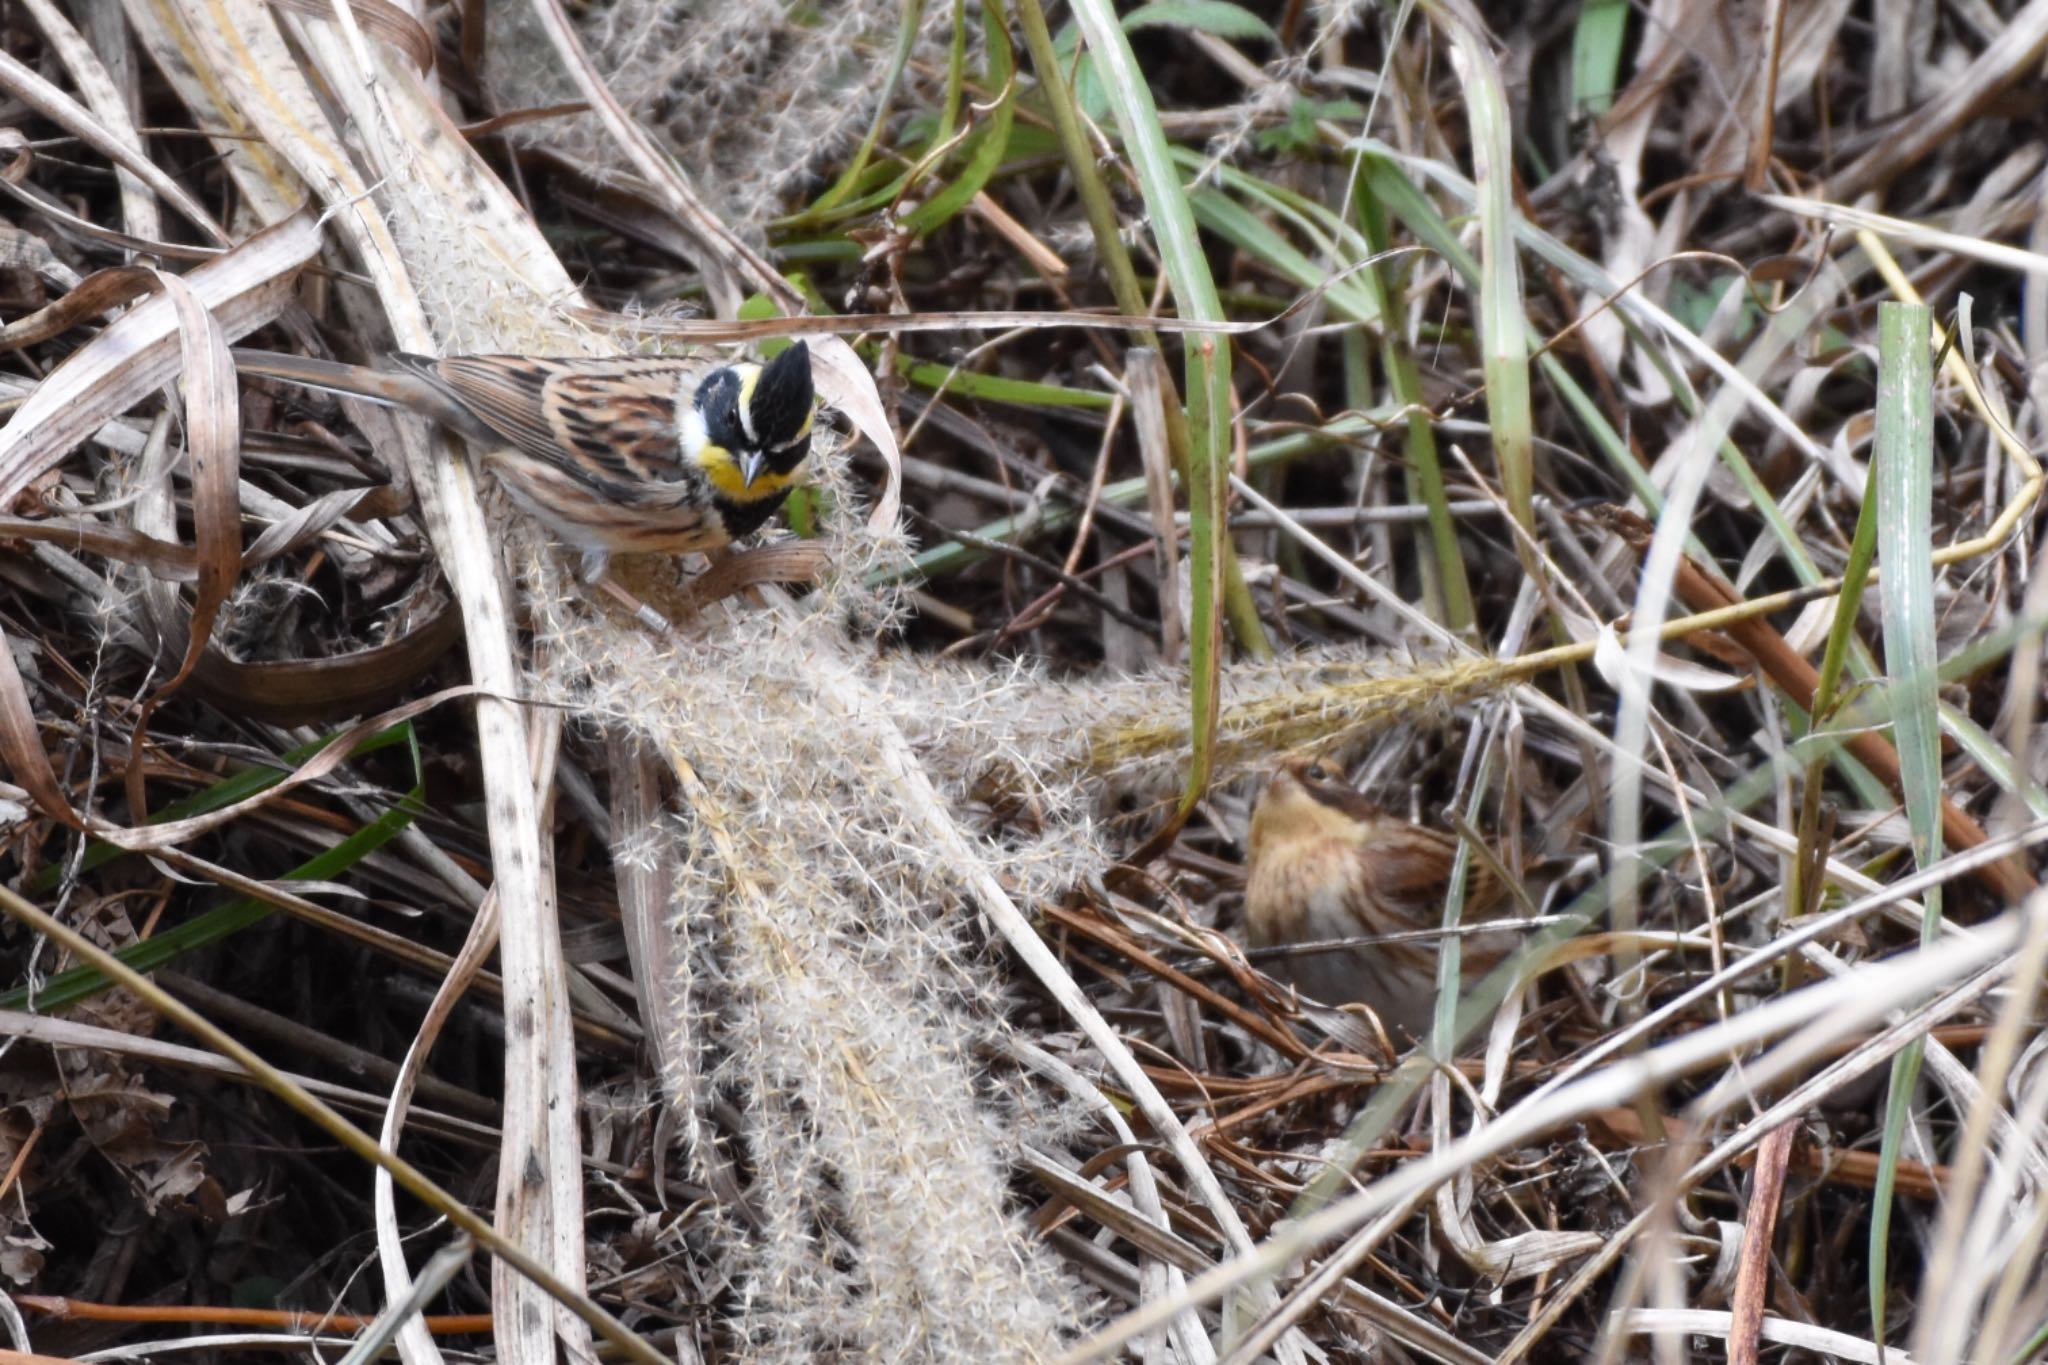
{"x": 853, "y": 972}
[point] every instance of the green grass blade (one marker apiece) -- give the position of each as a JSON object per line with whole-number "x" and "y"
{"x": 1841, "y": 635}
{"x": 1207, "y": 385}
{"x": 899, "y": 61}
{"x": 235, "y": 787}
{"x": 990, "y": 388}
{"x": 991, "y": 144}
{"x": 1438, "y": 542}
{"x": 1220, "y": 17}
{"x": 69, "y": 987}
{"x": 1597, "y": 41}
{"x": 1503, "y": 321}
{"x": 1096, "y": 203}
{"x": 1905, "y": 535}
{"x": 1351, "y": 299}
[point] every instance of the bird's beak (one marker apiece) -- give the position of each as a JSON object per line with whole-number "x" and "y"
{"x": 753, "y": 464}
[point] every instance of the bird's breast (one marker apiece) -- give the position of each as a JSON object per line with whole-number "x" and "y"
{"x": 1300, "y": 890}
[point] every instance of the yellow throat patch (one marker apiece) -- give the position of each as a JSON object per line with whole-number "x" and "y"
{"x": 724, "y": 472}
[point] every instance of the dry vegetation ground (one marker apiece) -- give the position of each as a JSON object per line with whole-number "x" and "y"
{"x": 855, "y": 974}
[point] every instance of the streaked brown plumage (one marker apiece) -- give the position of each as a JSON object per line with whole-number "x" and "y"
{"x": 1325, "y": 863}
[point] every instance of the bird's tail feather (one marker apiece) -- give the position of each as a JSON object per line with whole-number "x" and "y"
{"x": 413, "y": 385}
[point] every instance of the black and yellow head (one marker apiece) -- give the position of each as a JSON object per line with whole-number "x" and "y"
{"x": 757, "y": 430}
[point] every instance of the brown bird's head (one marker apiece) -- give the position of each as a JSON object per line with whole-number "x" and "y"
{"x": 1308, "y": 799}
{"x": 1308, "y": 809}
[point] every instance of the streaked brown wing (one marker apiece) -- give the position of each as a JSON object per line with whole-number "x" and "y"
{"x": 505, "y": 392}
{"x": 619, "y": 422}
{"x": 612, "y": 422}
{"x": 1408, "y": 867}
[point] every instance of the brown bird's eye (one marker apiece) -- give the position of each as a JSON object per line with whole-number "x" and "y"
{"x": 1318, "y": 773}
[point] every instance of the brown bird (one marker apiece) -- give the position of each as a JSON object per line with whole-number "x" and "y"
{"x": 1326, "y": 863}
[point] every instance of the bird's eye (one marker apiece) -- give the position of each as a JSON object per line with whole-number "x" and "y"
{"x": 1318, "y": 773}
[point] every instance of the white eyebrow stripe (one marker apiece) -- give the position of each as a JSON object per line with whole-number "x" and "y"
{"x": 746, "y": 407}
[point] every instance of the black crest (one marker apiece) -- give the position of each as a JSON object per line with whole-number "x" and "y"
{"x": 783, "y": 396}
